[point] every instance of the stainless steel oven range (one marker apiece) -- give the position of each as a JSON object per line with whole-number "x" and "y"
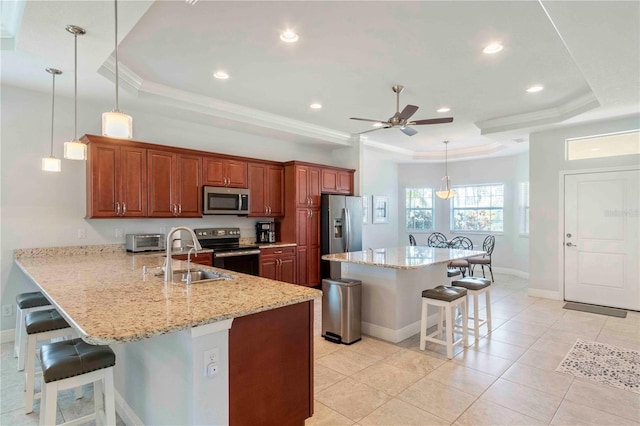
{"x": 228, "y": 253}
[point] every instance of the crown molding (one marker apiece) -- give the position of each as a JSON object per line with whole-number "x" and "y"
{"x": 128, "y": 80}
{"x": 385, "y": 147}
{"x": 575, "y": 106}
{"x": 459, "y": 154}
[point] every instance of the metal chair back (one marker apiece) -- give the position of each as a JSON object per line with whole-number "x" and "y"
{"x": 461, "y": 242}
{"x": 436, "y": 239}
{"x": 488, "y": 244}
{"x": 412, "y": 240}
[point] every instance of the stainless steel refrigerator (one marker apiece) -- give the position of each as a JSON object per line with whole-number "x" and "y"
{"x": 340, "y": 229}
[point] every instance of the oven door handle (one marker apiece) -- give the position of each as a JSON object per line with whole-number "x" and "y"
{"x": 236, "y": 253}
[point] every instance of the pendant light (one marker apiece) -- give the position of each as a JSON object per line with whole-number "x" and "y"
{"x": 116, "y": 124}
{"x": 75, "y": 150}
{"x": 445, "y": 185}
{"x": 51, "y": 163}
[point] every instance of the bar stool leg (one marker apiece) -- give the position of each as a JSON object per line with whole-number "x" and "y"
{"x": 487, "y": 302}
{"x": 16, "y": 339}
{"x": 423, "y": 325}
{"x": 476, "y": 320}
{"x": 465, "y": 320}
{"x": 109, "y": 397}
{"x": 49, "y": 403}
{"x": 29, "y": 375}
{"x": 449, "y": 331}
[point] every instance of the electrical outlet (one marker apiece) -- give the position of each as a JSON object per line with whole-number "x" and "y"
{"x": 7, "y": 310}
{"x": 119, "y": 233}
{"x": 82, "y": 233}
{"x": 210, "y": 357}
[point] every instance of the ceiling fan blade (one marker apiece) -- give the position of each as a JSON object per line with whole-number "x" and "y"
{"x": 368, "y": 119}
{"x": 407, "y": 112}
{"x": 433, "y": 121}
{"x": 408, "y": 131}
{"x": 373, "y": 130}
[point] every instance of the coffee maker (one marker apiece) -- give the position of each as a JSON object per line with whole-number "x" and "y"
{"x": 265, "y": 232}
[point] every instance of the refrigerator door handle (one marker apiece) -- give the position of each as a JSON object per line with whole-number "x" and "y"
{"x": 347, "y": 224}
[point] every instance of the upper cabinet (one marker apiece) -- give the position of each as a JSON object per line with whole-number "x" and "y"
{"x": 266, "y": 182}
{"x": 335, "y": 181}
{"x": 116, "y": 181}
{"x": 307, "y": 185}
{"x": 175, "y": 189}
{"x": 219, "y": 171}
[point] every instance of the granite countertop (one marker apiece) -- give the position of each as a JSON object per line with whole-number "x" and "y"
{"x": 107, "y": 298}
{"x": 276, "y": 245}
{"x": 405, "y": 257}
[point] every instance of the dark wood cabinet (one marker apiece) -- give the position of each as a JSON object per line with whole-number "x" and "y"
{"x": 219, "y": 171}
{"x": 335, "y": 181}
{"x": 271, "y": 367}
{"x": 308, "y": 250}
{"x": 278, "y": 263}
{"x": 201, "y": 258}
{"x": 266, "y": 185}
{"x": 116, "y": 181}
{"x": 307, "y": 186}
{"x": 174, "y": 188}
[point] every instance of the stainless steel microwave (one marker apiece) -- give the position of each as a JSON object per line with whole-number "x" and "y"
{"x": 222, "y": 200}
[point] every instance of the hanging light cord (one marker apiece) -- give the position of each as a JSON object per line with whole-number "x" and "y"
{"x": 75, "y": 87}
{"x": 446, "y": 157}
{"x": 53, "y": 104}
{"x": 116, "y": 40}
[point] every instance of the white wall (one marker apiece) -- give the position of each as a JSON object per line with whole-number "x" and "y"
{"x": 40, "y": 209}
{"x": 379, "y": 177}
{"x": 511, "y": 249}
{"x": 546, "y": 161}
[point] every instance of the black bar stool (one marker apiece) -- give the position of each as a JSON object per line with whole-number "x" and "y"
{"x": 25, "y": 303}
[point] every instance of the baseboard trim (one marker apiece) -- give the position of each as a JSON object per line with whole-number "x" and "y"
{"x": 7, "y": 336}
{"x": 395, "y": 336}
{"x": 125, "y": 412}
{"x": 509, "y": 271}
{"x": 545, "y": 294}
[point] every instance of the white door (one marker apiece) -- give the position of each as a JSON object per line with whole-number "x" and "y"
{"x": 601, "y": 239}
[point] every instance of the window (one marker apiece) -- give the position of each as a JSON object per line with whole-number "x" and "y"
{"x": 609, "y": 145}
{"x": 419, "y": 206}
{"x": 478, "y": 208}
{"x": 524, "y": 208}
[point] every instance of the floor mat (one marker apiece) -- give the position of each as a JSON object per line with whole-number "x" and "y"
{"x": 594, "y": 309}
{"x": 603, "y": 363}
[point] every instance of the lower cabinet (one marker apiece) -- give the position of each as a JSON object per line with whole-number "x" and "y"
{"x": 278, "y": 263}
{"x": 202, "y": 258}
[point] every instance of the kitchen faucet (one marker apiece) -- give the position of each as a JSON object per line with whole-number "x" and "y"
{"x": 168, "y": 270}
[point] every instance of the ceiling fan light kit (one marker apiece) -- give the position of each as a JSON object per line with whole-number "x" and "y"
{"x": 51, "y": 163}
{"x": 401, "y": 118}
{"x": 75, "y": 150}
{"x": 445, "y": 192}
{"x": 117, "y": 124}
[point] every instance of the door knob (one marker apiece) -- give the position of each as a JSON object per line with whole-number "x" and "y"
{"x": 571, "y": 245}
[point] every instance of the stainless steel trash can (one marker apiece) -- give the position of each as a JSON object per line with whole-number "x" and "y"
{"x": 341, "y": 302}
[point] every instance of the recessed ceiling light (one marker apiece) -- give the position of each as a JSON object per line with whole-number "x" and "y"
{"x": 378, "y": 124}
{"x": 443, "y": 109}
{"x": 221, "y": 75}
{"x": 288, "y": 36}
{"x": 315, "y": 105}
{"x": 493, "y": 48}
{"x": 534, "y": 89}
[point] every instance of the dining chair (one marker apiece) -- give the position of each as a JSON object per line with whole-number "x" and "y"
{"x": 412, "y": 240}
{"x": 464, "y": 243}
{"x": 438, "y": 240}
{"x": 487, "y": 246}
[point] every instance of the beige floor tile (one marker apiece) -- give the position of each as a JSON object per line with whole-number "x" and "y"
{"x": 541, "y": 360}
{"x": 605, "y": 398}
{"x": 19, "y": 418}
{"x": 352, "y": 399}
{"x": 8, "y": 365}
{"x": 396, "y": 412}
{"x": 471, "y": 381}
{"x": 523, "y": 399}
{"x": 323, "y": 377}
{"x": 371, "y": 346}
{"x": 325, "y": 416}
{"x": 568, "y": 336}
{"x": 536, "y": 315}
{"x": 580, "y": 322}
{"x": 346, "y": 361}
{"x": 552, "y": 347}
{"x": 500, "y": 349}
{"x": 414, "y": 362}
{"x": 387, "y": 378}
{"x": 528, "y": 328}
{"x": 571, "y": 413}
{"x": 440, "y": 400}
{"x": 612, "y": 339}
{"x": 512, "y": 338}
{"x": 484, "y": 362}
{"x": 546, "y": 381}
{"x": 321, "y": 347}
{"x": 487, "y": 413}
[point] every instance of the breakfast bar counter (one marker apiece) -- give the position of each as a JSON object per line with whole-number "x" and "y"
{"x": 163, "y": 333}
{"x": 392, "y": 283}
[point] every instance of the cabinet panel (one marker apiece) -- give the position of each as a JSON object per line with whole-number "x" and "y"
{"x": 275, "y": 186}
{"x": 133, "y": 182}
{"x": 314, "y": 186}
{"x": 258, "y": 196}
{"x": 237, "y": 173}
{"x": 102, "y": 188}
{"x": 213, "y": 171}
{"x": 302, "y": 266}
{"x": 329, "y": 181}
{"x": 202, "y": 258}
{"x": 345, "y": 183}
{"x": 302, "y": 186}
{"x": 314, "y": 228}
{"x": 218, "y": 171}
{"x": 189, "y": 189}
{"x": 302, "y": 224}
{"x": 288, "y": 269}
{"x": 268, "y": 267}
{"x": 161, "y": 178}
{"x": 313, "y": 263}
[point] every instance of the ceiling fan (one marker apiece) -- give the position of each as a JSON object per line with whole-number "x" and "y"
{"x": 401, "y": 119}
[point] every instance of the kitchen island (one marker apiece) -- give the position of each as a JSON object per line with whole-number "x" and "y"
{"x": 392, "y": 283}
{"x": 259, "y": 331}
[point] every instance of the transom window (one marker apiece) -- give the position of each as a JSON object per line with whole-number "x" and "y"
{"x": 419, "y": 209}
{"x": 478, "y": 208}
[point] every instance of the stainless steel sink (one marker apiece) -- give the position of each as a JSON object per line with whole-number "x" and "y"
{"x": 200, "y": 276}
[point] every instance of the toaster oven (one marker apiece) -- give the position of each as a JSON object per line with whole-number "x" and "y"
{"x": 145, "y": 242}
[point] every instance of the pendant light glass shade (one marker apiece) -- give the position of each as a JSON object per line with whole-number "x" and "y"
{"x": 51, "y": 163}
{"x": 445, "y": 191}
{"x": 116, "y": 124}
{"x": 74, "y": 149}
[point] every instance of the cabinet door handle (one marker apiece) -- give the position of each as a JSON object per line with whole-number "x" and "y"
{"x": 269, "y": 207}
{"x": 117, "y": 208}
{"x": 124, "y": 208}
{"x": 174, "y": 209}
{"x": 278, "y": 251}
{"x": 266, "y": 210}
{"x": 179, "y": 209}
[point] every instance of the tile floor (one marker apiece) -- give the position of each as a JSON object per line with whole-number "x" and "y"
{"x": 507, "y": 378}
